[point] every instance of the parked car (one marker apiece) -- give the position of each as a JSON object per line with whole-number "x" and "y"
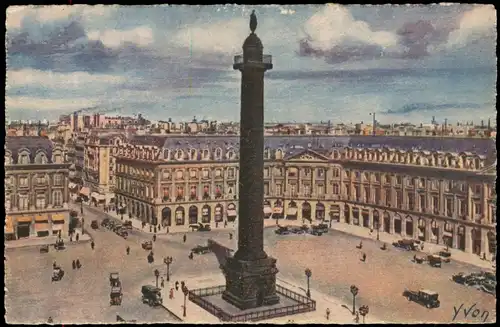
{"x": 114, "y": 279}
{"x": 105, "y": 222}
{"x": 427, "y": 298}
{"x": 434, "y": 260}
{"x": 445, "y": 256}
{"x": 323, "y": 228}
{"x": 406, "y": 244}
{"x": 316, "y": 231}
{"x": 459, "y": 278}
{"x": 128, "y": 224}
{"x": 201, "y": 249}
{"x": 94, "y": 224}
{"x": 296, "y": 230}
{"x": 59, "y": 245}
{"x": 151, "y": 295}
{"x": 44, "y": 249}
{"x": 147, "y": 245}
{"x": 57, "y": 274}
{"x": 282, "y": 230}
{"x": 116, "y": 295}
{"x": 122, "y": 232}
{"x": 117, "y": 227}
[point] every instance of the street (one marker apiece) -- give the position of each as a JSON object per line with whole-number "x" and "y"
{"x": 83, "y": 295}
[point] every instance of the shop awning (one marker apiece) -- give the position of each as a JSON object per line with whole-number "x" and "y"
{"x": 292, "y": 211}
{"x": 41, "y": 227}
{"x": 85, "y": 191}
{"x": 278, "y": 210}
{"x": 24, "y": 219}
{"x": 268, "y": 209}
{"x": 41, "y": 218}
{"x": 232, "y": 213}
{"x": 57, "y": 217}
{"x": 9, "y": 227}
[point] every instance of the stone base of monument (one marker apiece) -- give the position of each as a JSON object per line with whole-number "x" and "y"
{"x": 290, "y": 303}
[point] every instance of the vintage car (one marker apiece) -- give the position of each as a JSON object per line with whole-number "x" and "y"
{"x": 424, "y": 297}
{"x": 57, "y": 274}
{"x": 147, "y": 245}
{"x": 445, "y": 256}
{"x": 127, "y": 224}
{"x": 105, "y": 222}
{"x": 114, "y": 279}
{"x": 406, "y": 244}
{"x": 201, "y": 249}
{"x": 434, "y": 260}
{"x": 116, "y": 295}
{"x": 117, "y": 227}
{"x": 297, "y": 230}
{"x": 200, "y": 227}
{"x": 44, "y": 249}
{"x": 282, "y": 230}
{"x": 122, "y": 232}
{"x": 151, "y": 295}
{"x": 59, "y": 245}
{"x": 94, "y": 224}
{"x": 323, "y": 228}
{"x": 316, "y": 231}
{"x": 419, "y": 259}
{"x": 151, "y": 257}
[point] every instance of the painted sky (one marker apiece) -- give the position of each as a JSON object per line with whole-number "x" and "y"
{"x": 339, "y": 63}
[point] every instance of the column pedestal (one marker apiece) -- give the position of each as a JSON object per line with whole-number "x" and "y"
{"x": 250, "y": 284}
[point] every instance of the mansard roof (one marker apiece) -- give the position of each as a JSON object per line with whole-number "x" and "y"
{"x": 33, "y": 144}
{"x": 287, "y": 143}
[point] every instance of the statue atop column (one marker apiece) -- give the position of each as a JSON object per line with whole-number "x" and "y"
{"x": 253, "y": 22}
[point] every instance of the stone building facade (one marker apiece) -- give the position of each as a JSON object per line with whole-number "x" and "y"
{"x": 436, "y": 190}
{"x": 36, "y": 188}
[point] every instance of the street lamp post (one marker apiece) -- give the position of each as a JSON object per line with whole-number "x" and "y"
{"x": 157, "y": 274}
{"x": 308, "y": 273}
{"x": 363, "y": 311}
{"x": 168, "y": 261}
{"x": 185, "y": 291}
{"x": 354, "y": 292}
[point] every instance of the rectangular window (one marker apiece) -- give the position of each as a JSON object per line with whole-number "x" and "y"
{"x": 422, "y": 202}
{"x": 321, "y": 190}
{"x": 23, "y": 181}
{"x": 336, "y": 189}
{"x": 321, "y": 172}
{"x": 411, "y": 202}
{"x": 192, "y": 173}
{"x": 40, "y": 201}
{"x": 398, "y": 180}
{"x": 266, "y": 189}
{"x": 218, "y": 173}
{"x": 293, "y": 190}
{"x": 179, "y": 174}
{"x": 57, "y": 198}
{"x": 279, "y": 189}
{"x": 266, "y": 172}
{"x": 58, "y": 179}
{"x": 477, "y": 208}
{"x": 230, "y": 173}
{"x": 166, "y": 174}
{"x": 307, "y": 171}
{"x": 205, "y": 173}
{"x": 307, "y": 190}
{"x": 23, "y": 202}
{"x": 435, "y": 204}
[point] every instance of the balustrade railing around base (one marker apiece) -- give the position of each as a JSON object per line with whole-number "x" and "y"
{"x": 305, "y": 305}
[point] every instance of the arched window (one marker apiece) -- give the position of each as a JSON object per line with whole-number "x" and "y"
{"x": 336, "y": 172}
{"x": 192, "y": 154}
{"x": 218, "y": 153}
{"x": 8, "y": 159}
{"x": 279, "y": 154}
{"x": 24, "y": 158}
{"x": 230, "y": 155}
{"x": 179, "y": 155}
{"x": 206, "y": 154}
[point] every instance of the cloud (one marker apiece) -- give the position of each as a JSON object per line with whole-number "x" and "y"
{"x": 407, "y": 108}
{"x": 474, "y": 24}
{"x": 333, "y": 34}
{"x": 220, "y": 37}
{"x": 286, "y": 11}
{"x": 19, "y": 16}
{"x": 72, "y": 81}
{"x": 13, "y": 103}
{"x": 141, "y": 36}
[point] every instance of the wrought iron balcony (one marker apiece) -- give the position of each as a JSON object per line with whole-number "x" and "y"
{"x": 266, "y": 59}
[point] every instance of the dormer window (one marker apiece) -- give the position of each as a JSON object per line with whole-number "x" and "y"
{"x": 179, "y": 155}
{"x": 24, "y": 159}
{"x": 230, "y": 155}
{"x": 218, "y": 153}
{"x": 206, "y": 154}
{"x": 192, "y": 154}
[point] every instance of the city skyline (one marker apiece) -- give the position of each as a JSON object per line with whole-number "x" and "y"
{"x": 404, "y": 63}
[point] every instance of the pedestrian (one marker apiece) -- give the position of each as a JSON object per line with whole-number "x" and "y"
{"x": 59, "y": 234}
{"x": 190, "y": 256}
{"x": 327, "y": 313}
{"x": 162, "y": 282}
{"x": 92, "y": 244}
{"x": 484, "y": 255}
{"x": 78, "y": 265}
{"x": 184, "y": 238}
{"x": 171, "y": 293}
{"x": 364, "y": 257}
{"x": 216, "y": 224}
{"x": 74, "y": 264}
{"x": 77, "y": 237}
{"x": 159, "y": 227}
{"x": 71, "y": 238}
{"x": 176, "y": 285}
{"x": 230, "y": 236}
{"x": 167, "y": 230}
{"x": 415, "y": 258}
{"x": 225, "y": 223}
{"x": 50, "y": 320}
{"x": 150, "y": 228}
{"x": 154, "y": 238}
{"x": 54, "y": 265}
{"x": 422, "y": 246}
{"x": 155, "y": 229}
{"x": 356, "y": 320}
{"x": 128, "y": 250}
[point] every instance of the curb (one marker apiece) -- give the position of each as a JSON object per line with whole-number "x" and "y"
{"x": 169, "y": 311}
{"x": 49, "y": 244}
